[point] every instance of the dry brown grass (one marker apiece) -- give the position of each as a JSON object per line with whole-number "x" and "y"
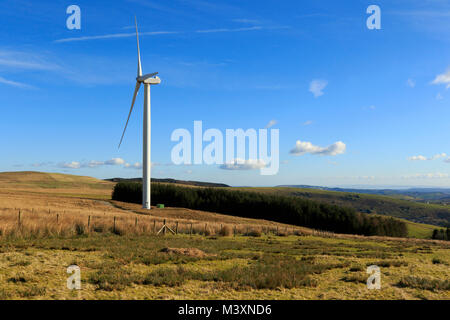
{"x": 44, "y": 215}
{"x": 190, "y": 252}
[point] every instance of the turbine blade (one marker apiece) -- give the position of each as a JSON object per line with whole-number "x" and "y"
{"x": 139, "y": 71}
{"x": 138, "y": 84}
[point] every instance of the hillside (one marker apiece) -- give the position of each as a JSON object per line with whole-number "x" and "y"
{"x": 433, "y": 195}
{"x": 55, "y": 183}
{"x": 433, "y": 214}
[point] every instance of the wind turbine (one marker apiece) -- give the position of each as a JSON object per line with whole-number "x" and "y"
{"x": 147, "y": 80}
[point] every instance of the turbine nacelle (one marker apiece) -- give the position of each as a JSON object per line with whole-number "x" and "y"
{"x": 150, "y": 78}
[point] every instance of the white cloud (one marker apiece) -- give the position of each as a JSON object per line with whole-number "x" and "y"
{"x": 271, "y": 124}
{"x": 317, "y": 87}
{"x": 114, "y": 35}
{"x": 137, "y": 166}
{"x": 417, "y": 158}
{"x": 307, "y": 123}
{"x": 240, "y": 164}
{"x": 24, "y": 60}
{"x": 70, "y": 165}
{"x": 411, "y": 83}
{"x": 91, "y": 164}
{"x": 229, "y": 30}
{"x": 250, "y": 21}
{"x": 423, "y": 158}
{"x": 112, "y": 162}
{"x": 14, "y": 83}
{"x": 439, "y": 96}
{"x": 40, "y": 164}
{"x": 115, "y": 162}
{"x": 443, "y": 78}
{"x": 438, "y": 156}
{"x": 94, "y": 164}
{"x": 302, "y": 148}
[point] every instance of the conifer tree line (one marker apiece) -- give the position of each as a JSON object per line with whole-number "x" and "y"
{"x": 248, "y": 204}
{"x": 441, "y": 234}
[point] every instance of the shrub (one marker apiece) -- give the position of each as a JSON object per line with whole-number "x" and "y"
{"x": 225, "y": 231}
{"x": 117, "y": 230}
{"x": 389, "y": 263}
{"x": 356, "y": 268}
{"x": 424, "y": 283}
{"x": 357, "y": 278}
{"x": 253, "y": 233}
{"x": 80, "y": 229}
{"x": 32, "y": 292}
{"x": 100, "y": 228}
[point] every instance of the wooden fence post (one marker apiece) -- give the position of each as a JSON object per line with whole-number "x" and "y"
{"x": 89, "y": 222}
{"x": 205, "y": 228}
{"x": 234, "y": 231}
{"x": 190, "y": 230}
{"x": 164, "y": 231}
{"x": 176, "y": 228}
{"x": 154, "y": 226}
{"x": 114, "y": 227}
{"x": 19, "y": 219}
{"x": 57, "y": 217}
{"x": 135, "y": 222}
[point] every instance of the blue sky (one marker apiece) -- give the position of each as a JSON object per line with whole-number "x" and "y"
{"x": 310, "y": 68}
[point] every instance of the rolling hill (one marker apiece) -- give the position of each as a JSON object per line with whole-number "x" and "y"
{"x": 433, "y": 214}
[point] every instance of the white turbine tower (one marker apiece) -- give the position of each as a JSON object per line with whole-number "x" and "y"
{"x": 147, "y": 80}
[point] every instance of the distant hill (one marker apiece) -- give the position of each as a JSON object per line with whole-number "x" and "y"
{"x": 391, "y": 205}
{"x": 434, "y": 195}
{"x": 168, "y": 180}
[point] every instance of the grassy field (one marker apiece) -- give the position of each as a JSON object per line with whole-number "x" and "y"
{"x": 67, "y": 220}
{"x": 183, "y": 267}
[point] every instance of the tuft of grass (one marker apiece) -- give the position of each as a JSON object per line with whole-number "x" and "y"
{"x": 356, "y": 268}
{"x": 18, "y": 278}
{"x": 118, "y": 231}
{"x": 168, "y": 276}
{"x": 110, "y": 278}
{"x": 438, "y": 261}
{"x": 99, "y": 228}
{"x": 253, "y": 233}
{"x": 357, "y": 278}
{"x": 80, "y": 229}
{"x": 226, "y": 231}
{"x": 424, "y": 283}
{"x": 388, "y": 263}
{"x": 22, "y": 263}
{"x": 32, "y": 292}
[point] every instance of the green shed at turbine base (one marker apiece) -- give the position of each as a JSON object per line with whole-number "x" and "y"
{"x": 160, "y": 206}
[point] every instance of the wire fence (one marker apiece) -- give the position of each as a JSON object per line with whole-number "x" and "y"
{"x": 48, "y": 222}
